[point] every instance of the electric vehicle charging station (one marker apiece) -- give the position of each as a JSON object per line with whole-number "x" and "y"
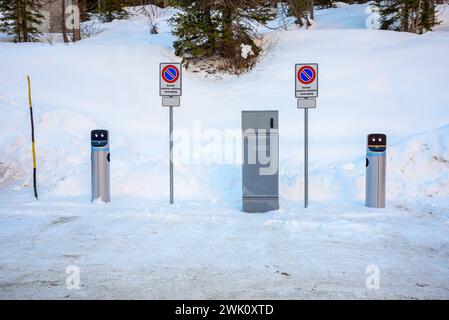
{"x": 100, "y": 167}
{"x": 376, "y": 163}
{"x": 260, "y": 168}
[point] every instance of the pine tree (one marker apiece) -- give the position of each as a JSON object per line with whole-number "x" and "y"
{"x": 21, "y": 18}
{"x": 236, "y": 30}
{"x": 196, "y": 29}
{"x": 428, "y": 16}
{"x": 220, "y": 29}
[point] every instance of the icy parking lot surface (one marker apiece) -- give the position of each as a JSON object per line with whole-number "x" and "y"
{"x": 146, "y": 249}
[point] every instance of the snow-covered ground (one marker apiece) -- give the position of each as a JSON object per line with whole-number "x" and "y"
{"x": 204, "y": 246}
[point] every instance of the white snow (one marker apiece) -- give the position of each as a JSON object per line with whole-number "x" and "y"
{"x": 204, "y": 246}
{"x": 247, "y": 50}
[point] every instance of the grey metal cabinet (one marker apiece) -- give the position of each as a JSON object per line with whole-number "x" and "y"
{"x": 260, "y": 169}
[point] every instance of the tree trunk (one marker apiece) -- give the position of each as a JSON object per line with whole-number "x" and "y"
{"x": 64, "y": 29}
{"x": 405, "y": 18}
{"x": 76, "y": 23}
{"x": 227, "y": 29}
{"x": 23, "y": 27}
{"x": 431, "y": 7}
{"x": 418, "y": 28}
{"x": 18, "y": 24}
{"x": 312, "y": 9}
{"x": 210, "y": 28}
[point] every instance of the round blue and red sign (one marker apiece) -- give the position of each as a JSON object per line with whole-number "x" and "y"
{"x": 170, "y": 74}
{"x": 306, "y": 75}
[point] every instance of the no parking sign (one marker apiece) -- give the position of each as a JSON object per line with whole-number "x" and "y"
{"x": 306, "y": 76}
{"x": 306, "y": 91}
{"x": 170, "y": 79}
{"x": 170, "y": 88}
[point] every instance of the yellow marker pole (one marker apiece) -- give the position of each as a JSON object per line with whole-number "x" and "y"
{"x": 33, "y": 149}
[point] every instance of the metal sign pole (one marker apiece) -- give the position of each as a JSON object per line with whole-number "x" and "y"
{"x": 306, "y": 91}
{"x": 171, "y": 156}
{"x": 306, "y": 157}
{"x": 170, "y": 89}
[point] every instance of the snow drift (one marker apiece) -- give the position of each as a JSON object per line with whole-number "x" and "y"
{"x": 370, "y": 81}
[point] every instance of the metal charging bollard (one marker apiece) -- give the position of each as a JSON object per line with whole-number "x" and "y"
{"x": 101, "y": 159}
{"x": 376, "y": 163}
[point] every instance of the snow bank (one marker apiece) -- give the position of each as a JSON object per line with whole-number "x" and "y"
{"x": 420, "y": 165}
{"x": 417, "y": 168}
